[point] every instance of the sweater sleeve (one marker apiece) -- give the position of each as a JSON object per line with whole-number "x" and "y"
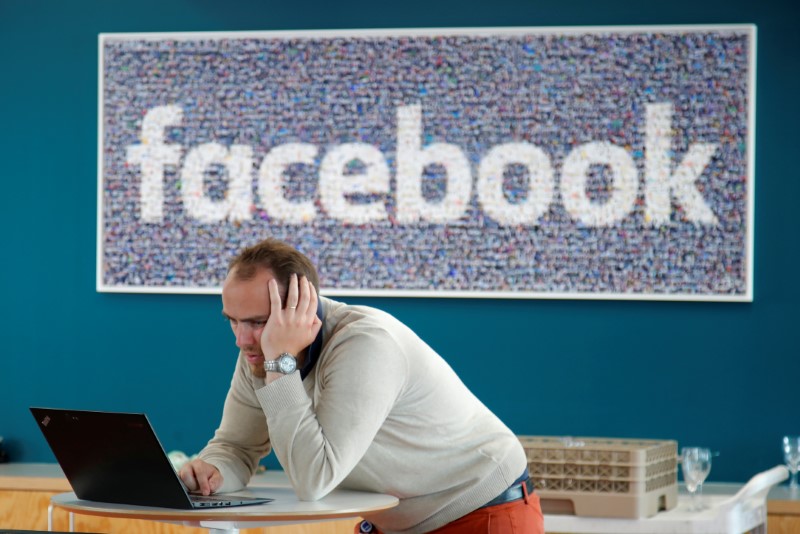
{"x": 242, "y": 438}
{"x": 319, "y": 443}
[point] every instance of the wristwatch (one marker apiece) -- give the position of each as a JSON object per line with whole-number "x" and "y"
{"x": 285, "y": 363}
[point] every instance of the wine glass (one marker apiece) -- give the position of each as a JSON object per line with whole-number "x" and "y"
{"x": 696, "y": 465}
{"x": 791, "y": 454}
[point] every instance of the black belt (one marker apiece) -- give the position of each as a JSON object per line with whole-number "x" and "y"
{"x": 514, "y": 493}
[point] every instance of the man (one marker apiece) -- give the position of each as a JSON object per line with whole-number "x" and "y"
{"x": 348, "y": 396}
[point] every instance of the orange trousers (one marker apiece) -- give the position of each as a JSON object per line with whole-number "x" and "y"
{"x": 518, "y": 517}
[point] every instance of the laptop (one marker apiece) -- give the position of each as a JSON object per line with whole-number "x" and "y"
{"x": 116, "y": 458}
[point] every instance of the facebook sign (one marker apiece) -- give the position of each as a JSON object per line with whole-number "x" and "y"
{"x": 609, "y": 162}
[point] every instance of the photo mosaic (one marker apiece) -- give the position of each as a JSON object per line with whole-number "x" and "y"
{"x": 612, "y": 163}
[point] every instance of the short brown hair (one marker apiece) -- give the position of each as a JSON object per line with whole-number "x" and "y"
{"x": 281, "y": 258}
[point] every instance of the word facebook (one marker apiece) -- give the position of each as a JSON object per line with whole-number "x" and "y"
{"x": 337, "y": 184}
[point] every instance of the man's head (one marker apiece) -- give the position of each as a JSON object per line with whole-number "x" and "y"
{"x": 245, "y": 293}
{"x": 276, "y": 256}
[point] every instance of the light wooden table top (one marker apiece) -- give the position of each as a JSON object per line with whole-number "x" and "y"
{"x": 285, "y": 508}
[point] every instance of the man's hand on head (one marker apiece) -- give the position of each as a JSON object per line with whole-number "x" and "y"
{"x": 201, "y": 477}
{"x": 293, "y": 328}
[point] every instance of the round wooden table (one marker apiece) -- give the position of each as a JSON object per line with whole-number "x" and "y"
{"x": 284, "y": 509}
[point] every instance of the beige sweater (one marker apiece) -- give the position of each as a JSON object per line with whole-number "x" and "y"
{"x": 381, "y": 412}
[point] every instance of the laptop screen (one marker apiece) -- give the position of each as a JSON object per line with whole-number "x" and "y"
{"x": 112, "y": 457}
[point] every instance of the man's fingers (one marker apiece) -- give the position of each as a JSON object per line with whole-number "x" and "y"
{"x": 206, "y": 477}
{"x": 292, "y": 297}
{"x": 312, "y": 300}
{"x": 215, "y": 481}
{"x": 303, "y": 302}
{"x": 274, "y": 298}
{"x": 187, "y": 475}
{"x": 201, "y": 477}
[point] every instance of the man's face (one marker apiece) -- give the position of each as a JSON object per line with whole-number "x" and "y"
{"x": 246, "y": 305}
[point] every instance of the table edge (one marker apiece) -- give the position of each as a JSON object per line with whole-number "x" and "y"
{"x": 78, "y": 506}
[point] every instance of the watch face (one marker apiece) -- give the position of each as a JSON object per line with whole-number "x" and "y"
{"x": 287, "y": 364}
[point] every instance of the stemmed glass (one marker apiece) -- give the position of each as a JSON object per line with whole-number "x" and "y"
{"x": 696, "y": 465}
{"x": 791, "y": 454}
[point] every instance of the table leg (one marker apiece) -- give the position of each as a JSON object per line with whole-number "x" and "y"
{"x": 50, "y": 520}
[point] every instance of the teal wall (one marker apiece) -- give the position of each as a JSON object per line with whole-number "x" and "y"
{"x": 714, "y": 374}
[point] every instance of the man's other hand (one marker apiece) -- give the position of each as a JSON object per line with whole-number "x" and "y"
{"x": 201, "y": 477}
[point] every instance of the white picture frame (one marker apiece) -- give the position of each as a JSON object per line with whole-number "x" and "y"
{"x": 575, "y": 163}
